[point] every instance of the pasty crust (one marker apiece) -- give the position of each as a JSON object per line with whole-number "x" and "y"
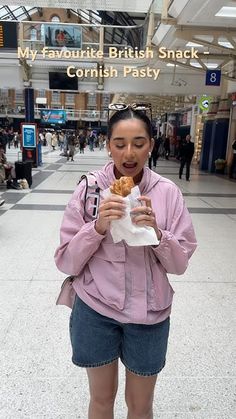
{"x": 122, "y": 186}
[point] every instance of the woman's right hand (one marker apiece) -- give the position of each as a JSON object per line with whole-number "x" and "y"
{"x": 112, "y": 208}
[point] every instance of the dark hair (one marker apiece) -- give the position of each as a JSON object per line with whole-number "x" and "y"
{"x": 129, "y": 114}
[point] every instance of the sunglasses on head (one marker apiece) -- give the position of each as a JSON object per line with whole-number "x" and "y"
{"x": 143, "y": 107}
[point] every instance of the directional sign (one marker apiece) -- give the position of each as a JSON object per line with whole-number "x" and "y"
{"x": 213, "y": 77}
{"x": 204, "y": 102}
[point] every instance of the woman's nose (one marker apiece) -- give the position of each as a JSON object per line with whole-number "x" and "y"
{"x": 129, "y": 151}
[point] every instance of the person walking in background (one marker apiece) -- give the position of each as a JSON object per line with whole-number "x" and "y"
{"x": 233, "y": 163}
{"x": 71, "y": 147}
{"x": 177, "y": 147}
{"x": 186, "y": 155}
{"x": 82, "y": 142}
{"x": 3, "y": 139}
{"x": 167, "y": 148}
{"x": 91, "y": 139}
{"x": 48, "y": 137}
{"x": 61, "y": 140}
{"x": 16, "y": 139}
{"x": 101, "y": 140}
{"x": 54, "y": 141}
{"x": 122, "y": 294}
{"x": 155, "y": 152}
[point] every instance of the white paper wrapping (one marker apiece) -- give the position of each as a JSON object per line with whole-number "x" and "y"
{"x": 124, "y": 229}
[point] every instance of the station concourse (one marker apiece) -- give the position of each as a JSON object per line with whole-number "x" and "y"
{"x": 38, "y": 379}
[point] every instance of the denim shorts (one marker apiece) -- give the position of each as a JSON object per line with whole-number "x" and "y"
{"x": 99, "y": 340}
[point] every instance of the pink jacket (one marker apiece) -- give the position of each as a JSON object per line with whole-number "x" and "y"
{"x": 127, "y": 283}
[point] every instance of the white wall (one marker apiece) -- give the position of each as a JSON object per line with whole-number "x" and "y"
{"x": 10, "y": 77}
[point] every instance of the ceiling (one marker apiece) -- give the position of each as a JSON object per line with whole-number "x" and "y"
{"x": 183, "y": 21}
{"x": 141, "y": 6}
{"x": 201, "y": 13}
{"x": 194, "y": 23}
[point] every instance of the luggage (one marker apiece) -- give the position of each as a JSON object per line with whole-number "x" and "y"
{"x": 24, "y": 171}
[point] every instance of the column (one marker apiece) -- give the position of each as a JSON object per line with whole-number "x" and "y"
{"x": 29, "y": 104}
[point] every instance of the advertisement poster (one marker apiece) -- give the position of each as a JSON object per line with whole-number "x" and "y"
{"x": 63, "y": 36}
{"x": 28, "y": 135}
{"x": 53, "y": 116}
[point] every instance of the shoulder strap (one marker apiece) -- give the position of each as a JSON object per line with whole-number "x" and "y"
{"x": 91, "y": 198}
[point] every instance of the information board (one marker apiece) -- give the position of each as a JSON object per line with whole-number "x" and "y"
{"x": 8, "y": 35}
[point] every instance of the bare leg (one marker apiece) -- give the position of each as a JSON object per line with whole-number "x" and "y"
{"x": 139, "y": 395}
{"x": 103, "y": 384}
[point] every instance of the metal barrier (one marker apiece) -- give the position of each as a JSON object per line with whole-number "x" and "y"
{"x": 80, "y": 115}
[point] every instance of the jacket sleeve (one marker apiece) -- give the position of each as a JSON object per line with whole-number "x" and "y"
{"x": 178, "y": 241}
{"x": 78, "y": 240}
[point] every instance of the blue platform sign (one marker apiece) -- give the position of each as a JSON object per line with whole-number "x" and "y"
{"x": 28, "y": 135}
{"x": 213, "y": 77}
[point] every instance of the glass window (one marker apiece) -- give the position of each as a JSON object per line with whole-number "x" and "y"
{"x": 55, "y": 18}
{"x": 41, "y": 93}
{"x": 33, "y": 34}
{"x": 70, "y": 98}
{"x": 19, "y": 96}
{"x": 56, "y": 97}
{"x": 105, "y": 100}
{"x": 92, "y": 101}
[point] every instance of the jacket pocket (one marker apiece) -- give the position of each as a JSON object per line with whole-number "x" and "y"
{"x": 105, "y": 277}
{"x": 162, "y": 290}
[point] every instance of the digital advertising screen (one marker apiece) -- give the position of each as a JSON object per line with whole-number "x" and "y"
{"x": 28, "y": 135}
{"x": 60, "y": 81}
{"x": 63, "y": 36}
{"x": 53, "y": 116}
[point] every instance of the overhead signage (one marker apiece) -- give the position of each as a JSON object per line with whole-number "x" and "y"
{"x": 204, "y": 102}
{"x": 213, "y": 77}
{"x": 53, "y": 116}
{"x": 8, "y": 35}
{"x": 28, "y": 135}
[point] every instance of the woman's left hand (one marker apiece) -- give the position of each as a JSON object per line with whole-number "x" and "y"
{"x": 144, "y": 215}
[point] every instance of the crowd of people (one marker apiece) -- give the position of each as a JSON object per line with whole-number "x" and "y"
{"x": 68, "y": 140}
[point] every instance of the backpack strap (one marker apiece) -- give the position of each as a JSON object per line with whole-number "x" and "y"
{"x": 91, "y": 198}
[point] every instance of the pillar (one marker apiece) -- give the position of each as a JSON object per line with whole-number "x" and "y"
{"x": 29, "y": 104}
{"x": 207, "y": 134}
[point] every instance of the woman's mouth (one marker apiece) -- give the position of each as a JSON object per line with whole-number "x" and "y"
{"x": 129, "y": 165}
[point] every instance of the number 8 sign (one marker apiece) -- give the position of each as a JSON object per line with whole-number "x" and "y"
{"x": 213, "y": 77}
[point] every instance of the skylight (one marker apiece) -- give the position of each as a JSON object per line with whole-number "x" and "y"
{"x": 226, "y": 11}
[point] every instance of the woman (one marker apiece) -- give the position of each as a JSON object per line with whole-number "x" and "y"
{"x": 123, "y": 297}
{"x": 54, "y": 141}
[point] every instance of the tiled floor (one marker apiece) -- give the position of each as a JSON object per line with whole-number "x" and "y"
{"x": 38, "y": 379}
